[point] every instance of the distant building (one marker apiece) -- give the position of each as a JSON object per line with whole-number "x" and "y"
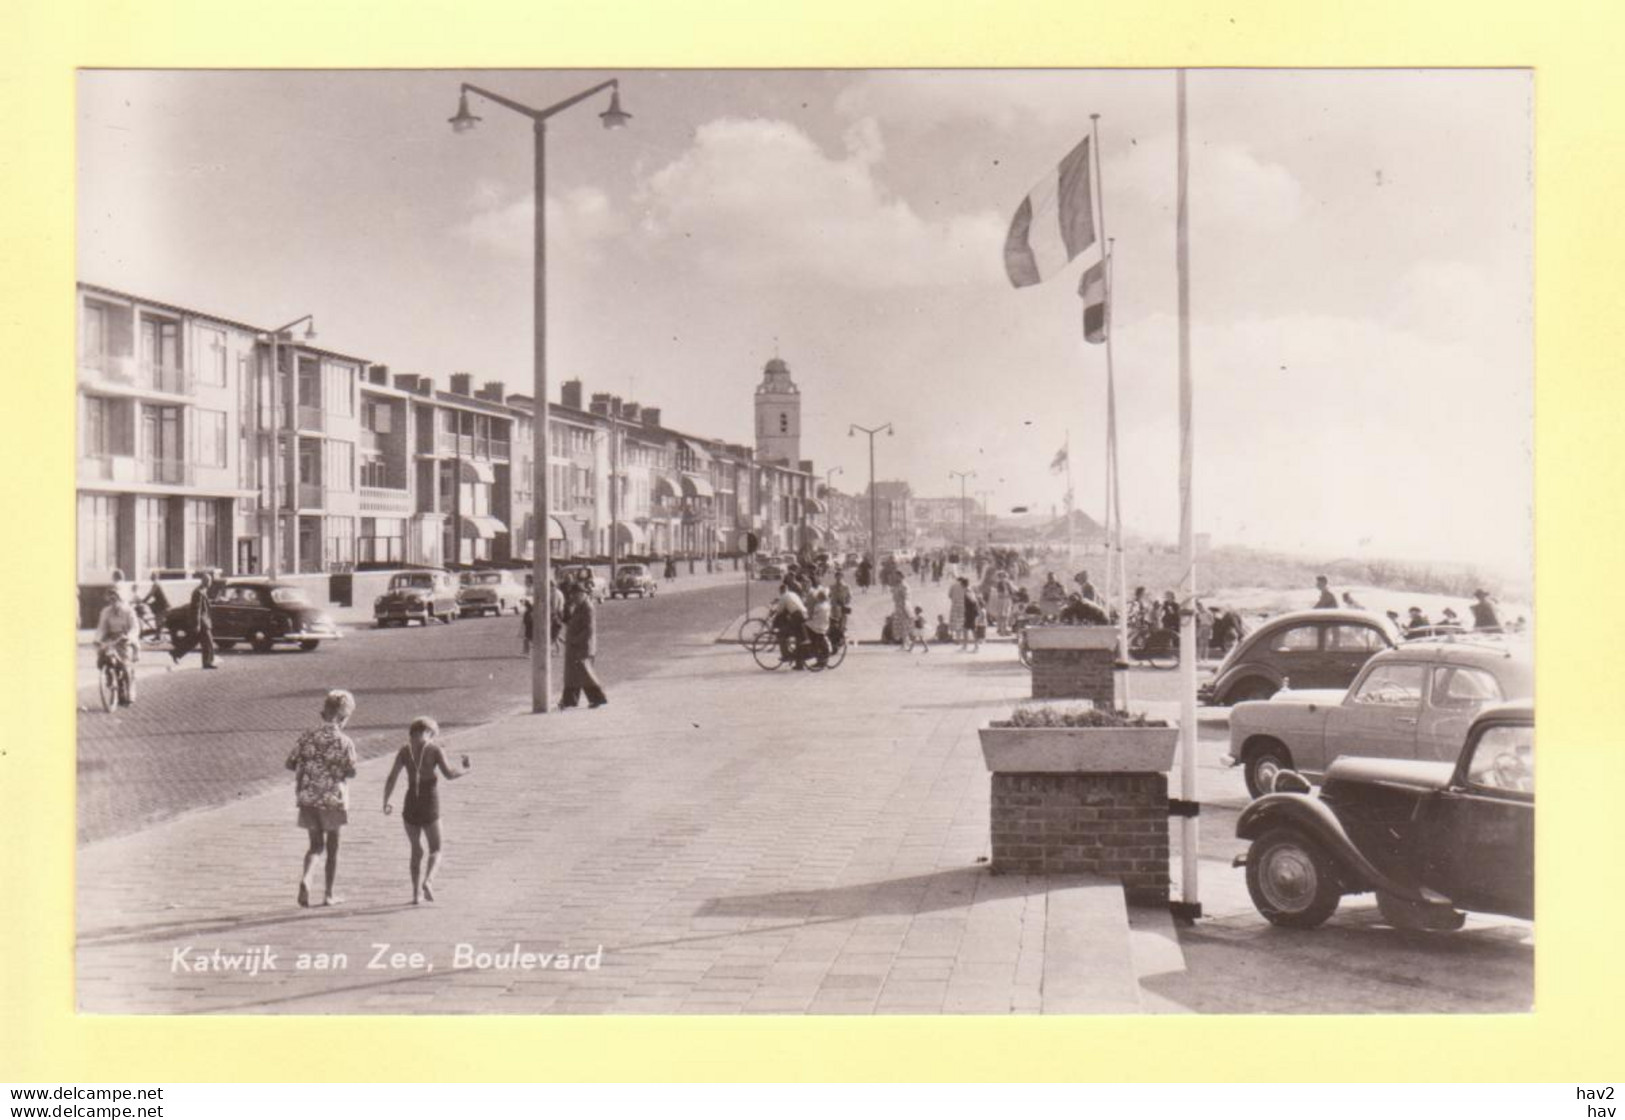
{"x": 778, "y": 415}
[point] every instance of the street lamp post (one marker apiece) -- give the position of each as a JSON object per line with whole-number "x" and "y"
{"x": 874, "y": 520}
{"x": 541, "y": 673}
{"x": 829, "y": 506}
{"x": 987, "y": 516}
{"x": 275, "y": 430}
{"x": 964, "y": 532}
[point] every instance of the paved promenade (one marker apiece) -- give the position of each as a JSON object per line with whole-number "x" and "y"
{"x": 718, "y": 839}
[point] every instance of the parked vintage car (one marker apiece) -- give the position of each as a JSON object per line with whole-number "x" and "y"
{"x": 427, "y": 596}
{"x": 1433, "y": 839}
{"x": 1312, "y": 649}
{"x": 1413, "y": 702}
{"x": 261, "y": 612}
{"x": 491, "y": 591}
{"x": 769, "y": 569}
{"x": 632, "y": 579}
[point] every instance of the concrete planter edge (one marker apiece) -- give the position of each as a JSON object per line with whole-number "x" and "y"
{"x": 1071, "y": 637}
{"x": 1078, "y": 750}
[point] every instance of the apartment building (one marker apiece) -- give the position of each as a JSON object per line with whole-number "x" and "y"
{"x": 202, "y": 440}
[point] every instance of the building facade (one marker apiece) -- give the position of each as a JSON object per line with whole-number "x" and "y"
{"x": 202, "y": 441}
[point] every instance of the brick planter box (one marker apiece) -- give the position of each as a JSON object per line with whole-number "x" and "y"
{"x": 1073, "y": 663}
{"x": 1083, "y": 800}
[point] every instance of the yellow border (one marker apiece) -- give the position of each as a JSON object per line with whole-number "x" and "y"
{"x": 1572, "y": 45}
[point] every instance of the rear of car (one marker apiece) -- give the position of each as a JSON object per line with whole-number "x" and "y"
{"x": 487, "y": 593}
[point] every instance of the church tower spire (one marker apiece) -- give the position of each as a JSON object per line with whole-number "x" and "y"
{"x": 778, "y": 414}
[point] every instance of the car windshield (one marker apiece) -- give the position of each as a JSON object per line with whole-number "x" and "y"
{"x": 416, "y": 580}
{"x": 485, "y": 577}
{"x": 289, "y": 597}
{"x": 631, "y": 569}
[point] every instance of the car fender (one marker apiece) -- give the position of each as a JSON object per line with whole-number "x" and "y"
{"x": 1311, "y": 816}
{"x": 1241, "y": 671}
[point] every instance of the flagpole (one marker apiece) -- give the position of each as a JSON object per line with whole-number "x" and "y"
{"x": 1114, "y": 495}
{"x": 1071, "y": 547}
{"x": 1190, "y": 907}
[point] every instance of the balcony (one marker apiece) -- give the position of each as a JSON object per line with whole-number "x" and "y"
{"x": 371, "y": 441}
{"x": 311, "y": 418}
{"x": 500, "y": 449}
{"x": 116, "y": 369}
{"x": 380, "y": 499}
{"x": 168, "y": 472}
{"x": 165, "y": 378}
{"x": 311, "y": 495}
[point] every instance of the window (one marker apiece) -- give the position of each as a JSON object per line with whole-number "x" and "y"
{"x": 1354, "y": 637}
{"x": 340, "y": 543}
{"x": 373, "y": 470}
{"x": 160, "y": 343}
{"x": 1395, "y": 685}
{"x": 1459, "y": 688}
{"x": 98, "y": 534}
{"x": 152, "y": 527}
{"x": 202, "y": 547}
{"x": 1504, "y": 758}
{"x": 784, "y": 423}
{"x": 209, "y": 437}
{"x": 1296, "y": 639}
{"x": 212, "y": 356}
{"x": 340, "y": 466}
{"x": 309, "y": 382}
{"x": 339, "y": 383}
{"x": 377, "y": 416}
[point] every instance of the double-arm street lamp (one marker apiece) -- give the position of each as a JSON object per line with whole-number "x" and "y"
{"x": 275, "y": 427}
{"x": 874, "y": 522}
{"x": 964, "y": 539}
{"x": 541, "y": 672}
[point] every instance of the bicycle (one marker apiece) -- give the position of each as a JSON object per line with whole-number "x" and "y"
{"x": 114, "y": 681}
{"x": 771, "y": 652}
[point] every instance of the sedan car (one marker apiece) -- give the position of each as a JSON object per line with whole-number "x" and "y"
{"x": 426, "y": 596}
{"x": 769, "y": 569}
{"x": 260, "y": 612}
{"x": 1413, "y": 702}
{"x": 1432, "y": 839}
{"x": 1311, "y": 649}
{"x": 632, "y": 579}
{"x": 489, "y": 592}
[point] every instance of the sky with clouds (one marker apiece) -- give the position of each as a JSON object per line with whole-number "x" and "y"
{"x": 1361, "y": 249}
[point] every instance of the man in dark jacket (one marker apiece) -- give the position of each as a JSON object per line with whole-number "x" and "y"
{"x": 580, "y": 647}
{"x": 202, "y": 632}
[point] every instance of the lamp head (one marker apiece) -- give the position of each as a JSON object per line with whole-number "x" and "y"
{"x": 614, "y": 117}
{"x": 310, "y": 330}
{"x": 464, "y": 120}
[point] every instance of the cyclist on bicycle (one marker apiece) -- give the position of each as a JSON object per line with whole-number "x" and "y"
{"x": 790, "y": 623}
{"x": 116, "y": 630}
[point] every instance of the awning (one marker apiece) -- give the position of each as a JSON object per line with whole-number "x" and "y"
{"x": 697, "y": 486}
{"x": 628, "y": 535}
{"x": 663, "y": 487}
{"x": 482, "y": 527}
{"x": 816, "y": 506}
{"x": 478, "y": 470}
{"x": 701, "y": 455}
{"x": 814, "y": 533}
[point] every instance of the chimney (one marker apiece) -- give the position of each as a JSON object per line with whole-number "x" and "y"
{"x": 806, "y": 466}
{"x": 462, "y": 384}
{"x": 600, "y": 404}
{"x": 570, "y": 393}
{"x": 378, "y": 374}
{"x": 494, "y": 391}
{"x": 651, "y": 417}
{"x": 629, "y": 411}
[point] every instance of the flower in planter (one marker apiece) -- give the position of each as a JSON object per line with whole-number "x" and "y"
{"x": 1075, "y": 717}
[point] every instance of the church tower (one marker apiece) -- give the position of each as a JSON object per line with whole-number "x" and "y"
{"x": 778, "y": 415}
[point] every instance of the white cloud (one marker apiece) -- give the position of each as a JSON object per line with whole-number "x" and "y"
{"x": 759, "y": 201}
{"x": 1232, "y": 190}
{"x": 577, "y": 221}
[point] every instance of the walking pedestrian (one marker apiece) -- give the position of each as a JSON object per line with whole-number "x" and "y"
{"x": 671, "y": 569}
{"x": 580, "y": 647}
{"x": 322, "y": 761}
{"x": 527, "y": 627}
{"x": 202, "y": 632}
{"x": 818, "y": 623}
{"x": 916, "y": 634}
{"x": 956, "y": 609}
{"x": 1327, "y": 599}
{"x": 974, "y": 625}
{"x": 902, "y": 614}
{"x": 423, "y": 761}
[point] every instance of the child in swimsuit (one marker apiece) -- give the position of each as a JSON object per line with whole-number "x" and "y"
{"x": 423, "y": 761}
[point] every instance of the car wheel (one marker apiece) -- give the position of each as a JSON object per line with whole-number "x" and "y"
{"x": 1291, "y": 879}
{"x": 1253, "y": 688}
{"x": 1263, "y": 764}
{"x": 309, "y": 644}
{"x": 260, "y": 640}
